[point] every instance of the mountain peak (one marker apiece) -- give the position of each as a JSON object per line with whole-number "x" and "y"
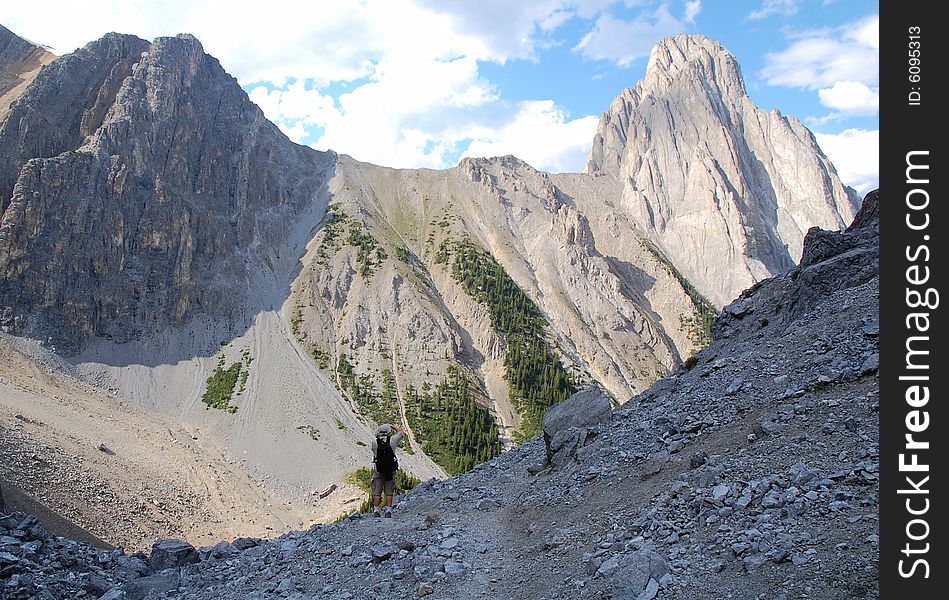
{"x": 695, "y": 155}
{"x": 694, "y": 57}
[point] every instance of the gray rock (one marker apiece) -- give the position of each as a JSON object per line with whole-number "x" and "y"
{"x": 608, "y": 566}
{"x": 734, "y": 387}
{"x": 361, "y": 559}
{"x": 871, "y": 364}
{"x": 222, "y": 549}
{"x": 565, "y": 423}
{"x": 698, "y": 459}
{"x": 152, "y": 586}
{"x": 425, "y": 588}
{"x": 170, "y": 554}
{"x": 773, "y": 499}
{"x": 754, "y": 561}
{"x": 454, "y": 567}
{"x": 382, "y": 552}
{"x": 449, "y": 543}
{"x": 629, "y": 146}
{"x": 112, "y": 109}
{"x": 652, "y": 588}
{"x": 635, "y": 571}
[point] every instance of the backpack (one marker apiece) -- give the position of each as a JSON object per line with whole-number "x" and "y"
{"x": 386, "y": 462}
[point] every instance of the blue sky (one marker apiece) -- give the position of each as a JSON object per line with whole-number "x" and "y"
{"x": 421, "y": 83}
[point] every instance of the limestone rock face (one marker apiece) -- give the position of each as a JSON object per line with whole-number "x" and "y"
{"x": 725, "y": 189}
{"x": 149, "y": 189}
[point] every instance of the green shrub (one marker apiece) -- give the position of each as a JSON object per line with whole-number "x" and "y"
{"x": 220, "y": 387}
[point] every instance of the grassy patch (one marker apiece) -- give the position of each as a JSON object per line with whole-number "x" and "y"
{"x": 339, "y": 229}
{"x": 362, "y": 477}
{"x": 220, "y": 387}
{"x": 380, "y": 407}
{"x": 296, "y": 320}
{"x": 310, "y": 430}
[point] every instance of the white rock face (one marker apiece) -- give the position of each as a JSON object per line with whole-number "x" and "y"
{"x": 725, "y": 189}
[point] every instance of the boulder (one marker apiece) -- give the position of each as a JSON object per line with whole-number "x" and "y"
{"x": 170, "y": 554}
{"x": 567, "y": 424}
{"x": 635, "y": 572}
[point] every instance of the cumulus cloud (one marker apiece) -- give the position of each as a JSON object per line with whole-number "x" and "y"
{"x": 856, "y": 156}
{"x": 399, "y": 118}
{"x": 623, "y": 41}
{"x": 542, "y": 135}
{"x": 507, "y": 29}
{"x": 851, "y": 98}
{"x": 692, "y": 10}
{"x": 820, "y": 59}
{"x": 774, "y": 7}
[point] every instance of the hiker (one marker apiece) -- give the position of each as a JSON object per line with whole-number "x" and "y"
{"x": 384, "y": 466}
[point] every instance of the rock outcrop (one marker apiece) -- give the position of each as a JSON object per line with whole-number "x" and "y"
{"x": 149, "y": 190}
{"x": 725, "y": 189}
{"x": 567, "y": 425}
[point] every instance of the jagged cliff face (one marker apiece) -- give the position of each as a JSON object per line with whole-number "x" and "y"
{"x": 724, "y": 188}
{"x": 145, "y": 189}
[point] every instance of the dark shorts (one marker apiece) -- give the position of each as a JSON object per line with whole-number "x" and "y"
{"x": 379, "y": 485}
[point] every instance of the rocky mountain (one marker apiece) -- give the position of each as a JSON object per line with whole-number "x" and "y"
{"x": 184, "y": 256}
{"x": 751, "y": 472}
{"x": 147, "y": 189}
{"x": 725, "y": 189}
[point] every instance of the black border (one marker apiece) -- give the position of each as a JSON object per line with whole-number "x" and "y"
{"x": 904, "y": 128}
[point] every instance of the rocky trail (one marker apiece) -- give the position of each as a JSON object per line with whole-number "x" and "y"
{"x": 750, "y": 473}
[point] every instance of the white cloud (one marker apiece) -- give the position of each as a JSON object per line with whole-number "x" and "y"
{"x": 774, "y": 7}
{"x": 821, "y": 59}
{"x": 400, "y": 118}
{"x": 692, "y": 10}
{"x": 624, "y": 41}
{"x": 851, "y": 98}
{"x": 856, "y": 156}
{"x": 507, "y": 29}
{"x": 284, "y": 40}
{"x": 542, "y": 135}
